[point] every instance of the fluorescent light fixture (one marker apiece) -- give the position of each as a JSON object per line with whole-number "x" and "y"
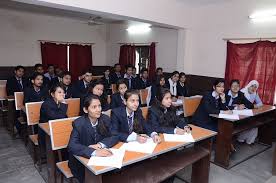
{"x": 264, "y": 15}
{"x": 139, "y": 29}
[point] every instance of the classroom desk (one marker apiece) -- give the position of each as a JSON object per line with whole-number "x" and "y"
{"x": 11, "y": 114}
{"x": 263, "y": 116}
{"x": 274, "y": 163}
{"x": 166, "y": 160}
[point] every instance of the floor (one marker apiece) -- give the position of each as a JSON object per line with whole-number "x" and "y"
{"x": 17, "y": 166}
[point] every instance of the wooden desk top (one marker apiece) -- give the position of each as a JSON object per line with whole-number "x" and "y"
{"x": 133, "y": 157}
{"x": 256, "y": 112}
{"x": 45, "y": 127}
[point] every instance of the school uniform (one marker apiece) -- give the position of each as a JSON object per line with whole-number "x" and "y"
{"x": 238, "y": 99}
{"x": 153, "y": 91}
{"x": 141, "y": 83}
{"x": 50, "y": 77}
{"x": 104, "y": 104}
{"x": 80, "y": 88}
{"x": 55, "y": 81}
{"x": 107, "y": 85}
{"x": 123, "y": 124}
{"x": 30, "y": 95}
{"x": 172, "y": 87}
{"x": 130, "y": 81}
{"x": 46, "y": 82}
{"x": 182, "y": 90}
{"x": 117, "y": 100}
{"x": 210, "y": 104}
{"x": 114, "y": 77}
{"x": 84, "y": 134}
{"x": 68, "y": 91}
{"x": 15, "y": 84}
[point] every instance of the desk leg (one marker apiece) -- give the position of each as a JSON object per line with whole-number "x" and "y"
{"x": 202, "y": 167}
{"x": 91, "y": 178}
{"x": 224, "y": 140}
{"x": 274, "y": 163}
{"x": 51, "y": 164}
{"x": 11, "y": 116}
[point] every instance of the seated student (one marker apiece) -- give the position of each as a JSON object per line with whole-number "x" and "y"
{"x": 128, "y": 122}
{"x": 182, "y": 89}
{"x": 58, "y": 77}
{"x": 117, "y": 99}
{"x": 39, "y": 69}
{"x": 91, "y": 136}
{"x": 134, "y": 71}
{"x": 81, "y": 86}
{"x": 235, "y": 99}
{"x": 51, "y": 72}
{"x": 172, "y": 83}
{"x": 250, "y": 92}
{"x": 16, "y": 83}
{"x": 116, "y": 75}
{"x": 66, "y": 84}
{"x": 128, "y": 77}
{"x": 162, "y": 115}
{"x": 143, "y": 82}
{"x": 52, "y": 108}
{"x": 159, "y": 71}
{"x": 97, "y": 88}
{"x": 160, "y": 82}
{"x": 36, "y": 92}
{"x": 107, "y": 81}
{"x": 212, "y": 102}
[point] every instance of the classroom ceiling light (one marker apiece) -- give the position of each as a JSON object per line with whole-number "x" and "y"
{"x": 264, "y": 15}
{"x": 139, "y": 29}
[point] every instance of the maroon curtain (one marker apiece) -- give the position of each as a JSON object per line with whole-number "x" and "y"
{"x": 152, "y": 62}
{"x": 253, "y": 61}
{"x": 56, "y": 54}
{"x": 80, "y": 59}
{"x": 127, "y": 55}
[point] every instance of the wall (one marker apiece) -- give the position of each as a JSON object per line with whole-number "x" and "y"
{"x": 20, "y": 31}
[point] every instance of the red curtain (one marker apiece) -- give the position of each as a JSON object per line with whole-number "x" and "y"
{"x": 127, "y": 55}
{"x": 55, "y": 54}
{"x": 253, "y": 61}
{"x": 80, "y": 59}
{"x": 152, "y": 62}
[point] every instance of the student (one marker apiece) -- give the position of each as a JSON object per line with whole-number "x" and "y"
{"x": 143, "y": 82}
{"x": 129, "y": 78}
{"x": 39, "y": 69}
{"x": 97, "y": 88}
{"x": 172, "y": 83}
{"x": 36, "y": 92}
{"x": 107, "y": 81}
{"x": 52, "y": 108}
{"x": 128, "y": 122}
{"x": 134, "y": 71}
{"x": 91, "y": 136}
{"x": 160, "y": 82}
{"x": 81, "y": 86}
{"x": 117, "y": 74}
{"x": 159, "y": 71}
{"x": 117, "y": 99}
{"x": 58, "y": 77}
{"x": 212, "y": 102}
{"x": 250, "y": 92}
{"x": 182, "y": 89}
{"x": 66, "y": 84}
{"x": 235, "y": 99}
{"x": 162, "y": 115}
{"x": 51, "y": 72}
{"x": 16, "y": 83}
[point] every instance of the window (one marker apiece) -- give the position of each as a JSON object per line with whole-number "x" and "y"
{"x": 142, "y": 57}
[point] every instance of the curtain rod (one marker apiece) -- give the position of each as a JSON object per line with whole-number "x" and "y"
{"x": 139, "y": 43}
{"x": 265, "y": 38}
{"x": 63, "y": 42}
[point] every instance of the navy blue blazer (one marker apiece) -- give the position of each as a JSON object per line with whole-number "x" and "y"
{"x": 208, "y": 105}
{"x": 79, "y": 89}
{"x": 140, "y": 84}
{"x": 83, "y": 135}
{"x": 30, "y": 95}
{"x": 114, "y": 77}
{"x": 154, "y": 89}
{"x": 132, "y": 83}
{"x": 68, "y": 91}
{"x": 156, "y": 114}
{"x": 116, "y": 101}
{"x": 182, "y": 91}
{"x": 240, "y": 99}
{"x": 13, "y": 85}
{"x": 120, "y": 126}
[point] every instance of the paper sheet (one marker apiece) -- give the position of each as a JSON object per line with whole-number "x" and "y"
{"x": 187, "y": 137}
{"x": 179, "y": 102}
{"x": 244, "y": 112}
{"x": 116, "y": 160}
{"x": 135, "y": 146}
{"x": 229, "y": 116}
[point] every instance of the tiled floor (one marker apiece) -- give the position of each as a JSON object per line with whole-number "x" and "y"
{"x": 17, "y": 166}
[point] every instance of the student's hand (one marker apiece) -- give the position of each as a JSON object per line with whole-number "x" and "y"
{"x": 187, "y": 129}
{"x": 180, "y": 131}
{"x": 141, "y": 139}
{"x": 228, "y": 112}
{"x": 174, "y": 99}
{"x": 103, "y": 152}
{"x": 255, "y": 106}
{"x": 241, "y": 107}
{"x": 96, "y": 146}
{"x": 222, "y": 96}
{"x": 156, "y": 139}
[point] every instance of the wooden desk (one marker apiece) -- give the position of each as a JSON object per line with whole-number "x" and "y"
{"x": 263, "y": 116}
{"x": 274, "y": 163}
{"x": 164, "y": 162}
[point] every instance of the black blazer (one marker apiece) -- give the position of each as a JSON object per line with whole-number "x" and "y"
{"x": 116, "y": 101}
{"x": 140, "y": 84}
{"x": 83, "y": 135}
{"x": 208, "y": 105}
{"x": 182, "y": 91}
{"x": 46, "y": 82}
{"x": 79, "y": 89}
{"x": 120, "y": 126}
{"x": 107, "y": 82}
{"x": 154, "y": 89}
{"x": 68, "y": 91}
{"x": 13, "y": 85}
{"x": 155, "y": 114}
{"x": 114, "y": 77}
{"x": 240, "y": 99}
{"x": 133, "y": 83}
{"x": 30, "y": 95}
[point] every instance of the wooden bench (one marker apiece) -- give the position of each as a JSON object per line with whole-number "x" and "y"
{"x": 19, "y": 100}
{"x": 3, "y": 107}
{"x": 145, "y": 111}
{"x": 143, "y": 93}
{"x": 113, "y": 88}
{"x": 190, "y": 104}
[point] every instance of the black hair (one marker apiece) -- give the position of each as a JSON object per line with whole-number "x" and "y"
{"x": 117, "y": 64}
{"x": 103, "y": 97}
{"x": 35, "y": 75}
{"x": 19, "y": 67}
{"x": 38, "y": 65}
{"x": 159, "y": 68}
{"x": 50, "y": 65}
{"x": 174, "y": 73}
{"x": 129, "y": 66}
{"x": 217, "y": 81}
{"x": 119, "y": 82}
{"x": 181, "y": 74}
{"x": 101, "y": 124}
{"x": 143, "y": 70}
{"x": 87, "y": 71}
{"x": 54, "y": 88}
{"x": 158, "y": 79}
{"x": 234, "y": 81}
{"x": 65, "y": 73}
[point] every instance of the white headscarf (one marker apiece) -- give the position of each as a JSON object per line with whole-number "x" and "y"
{"x": 245, "y": 89}
{"x": 173, "y": 88}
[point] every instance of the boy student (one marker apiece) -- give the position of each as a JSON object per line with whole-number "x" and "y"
{"x": 143, "y": 82}
{"x": 66, "y": 83}
{"x": 116, "y": 75}
{"x": 129, "y": 78}
{"x": 81, "y": 86}
{"x": 16, "y": 83}
{"x": 39, "y": 69}
{"x": 51, "y": 72}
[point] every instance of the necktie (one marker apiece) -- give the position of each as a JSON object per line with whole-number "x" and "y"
{"x": 20, "y": 84}
{"x": 130, "y": 124}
